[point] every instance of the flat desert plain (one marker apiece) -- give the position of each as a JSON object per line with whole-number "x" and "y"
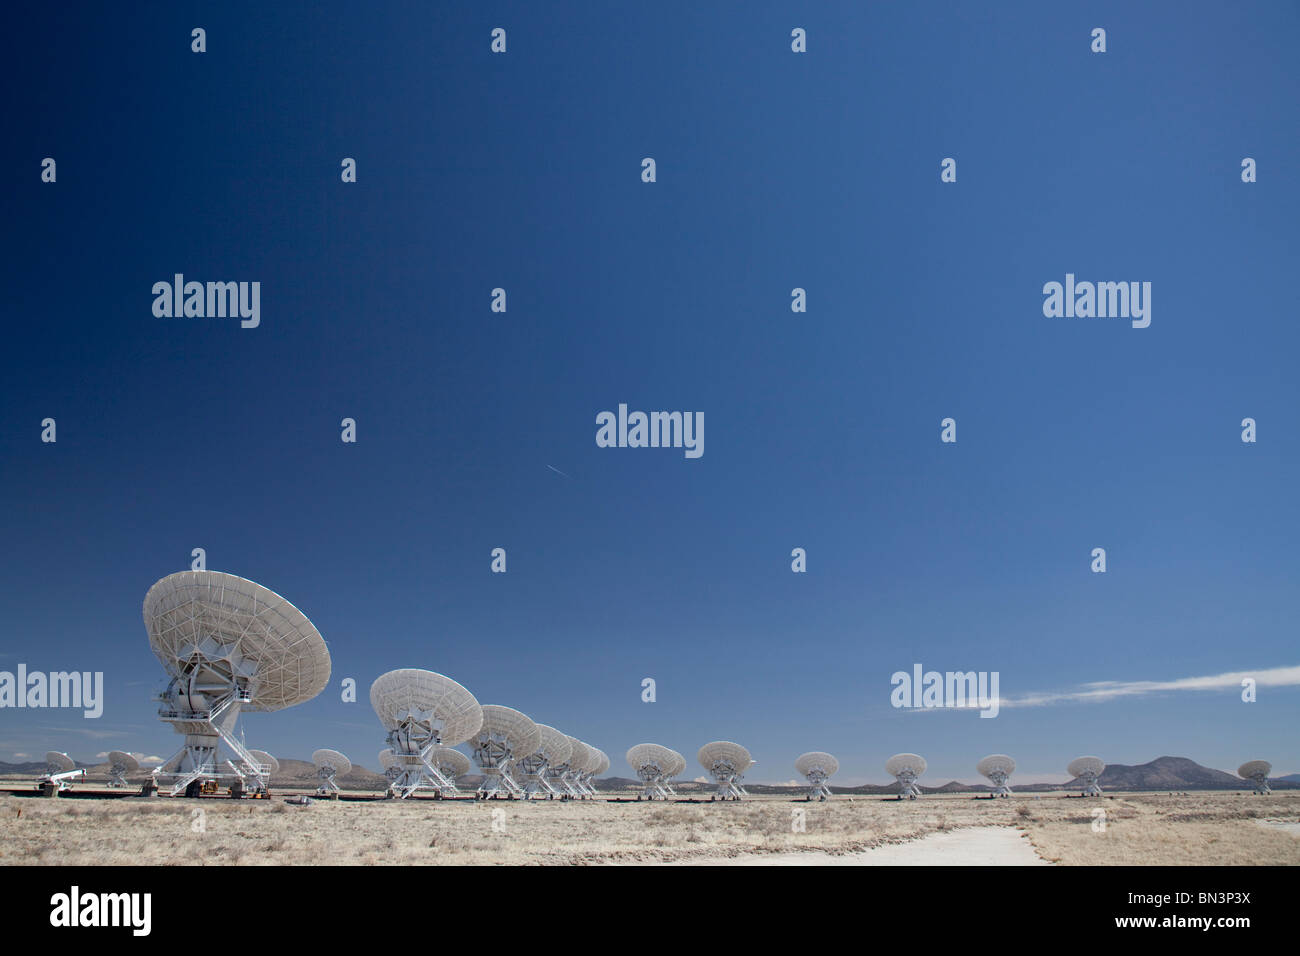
{"x": 1197, "y": 829}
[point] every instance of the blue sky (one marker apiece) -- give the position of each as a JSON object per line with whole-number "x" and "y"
{"x": 775, "y": 171}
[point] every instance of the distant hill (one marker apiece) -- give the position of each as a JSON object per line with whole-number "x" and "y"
{"x": 1167, "y": 773}
{"x": 23, "y": 769}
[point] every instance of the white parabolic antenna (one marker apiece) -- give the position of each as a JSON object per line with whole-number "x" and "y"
{"x": 818, "y": 767}
{"x": 532, "y": 770}
{"x": 1256, "y": 771}
{"x": 389, "y": 764}
{"x": 504, "y": 735}
{"x": 228, "y": 645}
{"x": 571, "y": 776}
{"x": 60, "y": 768}
{"x": 421, "y": 709}
{"x": 906, "y": 768}
{"x": 330, "y": 764}
{"x": 678, "y": 765}
{"x": 452, "y": 763}
{"x": 727, "y": 763}
{"x": 265, "y": 761}
{"x": 602, "y": 765}
{"x": 998, "y": 768}
{"x": 590, "y": 767}
{"x": 120, "y": 763}
{"x": 1087, "y": 770}
{"x": 652, "y": 765}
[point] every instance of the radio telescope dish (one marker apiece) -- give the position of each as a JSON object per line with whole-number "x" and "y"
{"x": 818, "y": 767}
{"x": 255, "y": 772}
{"x": 998, "y": 768}
{"x": 567, "y": 777}
{"x": 450, "y": 763}
{"x": 389, "y": 764}
{"x": 652, "y": 764}
{"x": 329, "y": 765}
{"x": 1257, "y": 772}
{"x": 677, "y": 766}
{"x": 228, "y": 645}
{"x": 120, "y": 763}
{"x": 727, "y": 762}
{"x": 531, "y": 770}
{"x": 504, "y": 734}
{"x": 263, "y": 759}
{"x": 421, "y": 709}
{"x": 601, "y": 765}
{"x": 582, "y": 775}
{"x": 564, "y": 777}
{"x": 59, "y": 769}
{"x": 906, "y": 768}
{"x": 1086, "y": 770}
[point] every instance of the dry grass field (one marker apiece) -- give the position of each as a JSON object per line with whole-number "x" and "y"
{"x": 1205, "y": 828}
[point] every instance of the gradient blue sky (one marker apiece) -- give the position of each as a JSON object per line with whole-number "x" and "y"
{"x": 775, "y": 170}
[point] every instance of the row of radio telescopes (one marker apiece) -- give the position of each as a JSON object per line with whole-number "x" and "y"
{"x": 655, "y": 766}
{"x": 229, "y": 646}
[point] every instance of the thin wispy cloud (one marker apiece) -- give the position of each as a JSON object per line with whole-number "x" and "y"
{"x": 557, "y": 471}
{"x": 1101, "y": 691}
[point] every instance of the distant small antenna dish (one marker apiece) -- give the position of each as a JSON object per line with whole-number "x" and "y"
{"x": 532, "y": 770}
{"x": 1087, "y": 770}
{"x": 652, "y": 764}
{"x": 330, "y": 764}
{"x": 60, "y": 769}
{"x": 504, "y": 735}
{"x": 727, "y": 763}
{"x": 450, "y": 763}
{"x": 421, "y": 709}
{"x": 255, "y": 771}
{"x": 998, "y": 768}
{"x": 1256, "y": 771}
{"x": 906, "y": 768}
{"x": 228, "y": 646}
{"x": 818, "y": 767}
{"x": 120, "y": 763}
{"x": 389, "y": 764}
{"x": 602, "y": 765}
{"x": 265, "y": 762}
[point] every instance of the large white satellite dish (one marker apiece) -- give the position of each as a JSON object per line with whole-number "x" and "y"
{"x": 1256, "y": 771}
{"x": 421, "y": 709}
{"x": 998, "y": 768}
{"x": 228, "y": 645}
{"x": 817, "y": 767}
{"x": 906, "y": 768}
{"x": 1086, "y": 770}
{"x": 330, "y": 765}
{"x": 120, "y": 763}
{"x": 727, "y": 763}
{"x": 60, "y": 769}
{"x": 532, "y": 770}
{"x": 651, "y": 764}
{"x": 504, "y": 735}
